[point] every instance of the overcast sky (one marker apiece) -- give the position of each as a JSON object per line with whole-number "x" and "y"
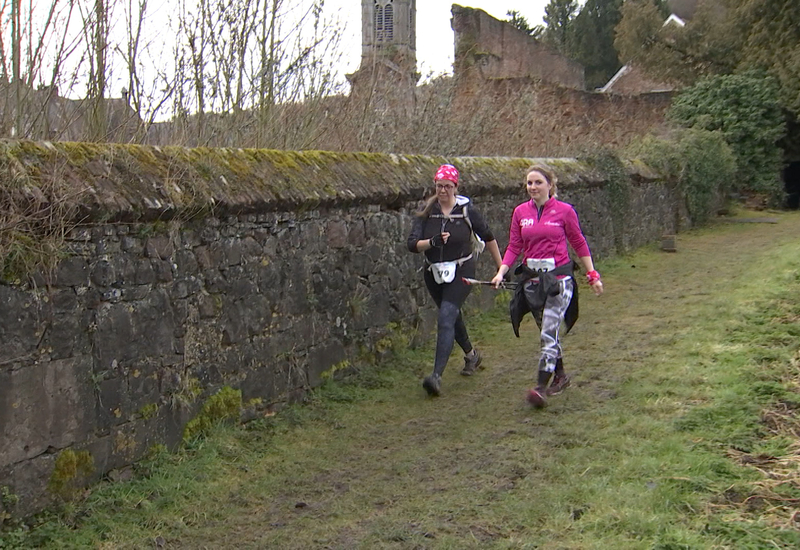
{"x": 434, "y": 35}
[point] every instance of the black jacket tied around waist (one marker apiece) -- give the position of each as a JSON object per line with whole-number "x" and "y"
{"x": 534, "y": 299}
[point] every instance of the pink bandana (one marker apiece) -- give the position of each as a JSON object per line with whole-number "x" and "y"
{"x": 447, "y": 172}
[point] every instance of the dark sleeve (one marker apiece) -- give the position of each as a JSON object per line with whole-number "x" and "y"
{"x": 479, "y": 225}
{"x": 416, "y": 234}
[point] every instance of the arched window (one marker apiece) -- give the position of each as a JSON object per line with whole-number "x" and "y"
{"x": 384, "y": 21}
{"x": 378, "y": 22}
{"x": 388, "y": 22}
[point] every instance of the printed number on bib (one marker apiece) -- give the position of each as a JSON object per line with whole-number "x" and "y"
{"x": 541, "y": 264}
{"x": 444, "y": 272}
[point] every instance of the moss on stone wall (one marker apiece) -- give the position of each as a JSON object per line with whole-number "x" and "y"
{"x": 226, "y": 404}
{"x": 126, "y": 182}
{"x": 71, "y": 473}
{"x": 83, "y": 183}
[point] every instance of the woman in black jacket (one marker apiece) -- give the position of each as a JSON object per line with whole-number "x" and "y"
{"x": 443, "y": 231}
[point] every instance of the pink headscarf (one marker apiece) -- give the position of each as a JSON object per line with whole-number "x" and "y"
{"x": 447, "y": 172}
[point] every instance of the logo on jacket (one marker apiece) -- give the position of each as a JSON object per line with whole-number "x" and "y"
{"x": 525, "y": 222}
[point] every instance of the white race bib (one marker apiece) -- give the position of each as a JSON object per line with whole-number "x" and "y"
{"x": 444, "y": 272}
{"x": 541, "y": 264}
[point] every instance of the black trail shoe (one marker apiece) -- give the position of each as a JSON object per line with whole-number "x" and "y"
{"x": 433, "y": 385}
{"x": 560, "y": 383}
{"x": 561, "y": 379}
{"x": 471, "y": 364}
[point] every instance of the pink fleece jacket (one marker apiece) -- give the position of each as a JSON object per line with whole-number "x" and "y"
{"x": 545, "y": 236}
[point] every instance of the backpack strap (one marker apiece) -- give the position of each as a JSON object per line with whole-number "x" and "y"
{"x": 465, "y": 210}
{"x": 477, "y": 243}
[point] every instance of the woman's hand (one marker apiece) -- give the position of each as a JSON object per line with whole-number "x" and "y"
{"x": 499, "y": 277}
{"x": 438, "y": 241}
{"x": 593, "y": 278}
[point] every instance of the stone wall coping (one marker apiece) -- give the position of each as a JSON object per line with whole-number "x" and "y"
{"x": 113, "y": 182}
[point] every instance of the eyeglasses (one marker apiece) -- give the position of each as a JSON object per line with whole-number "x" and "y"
{"x": 443, "y": 187}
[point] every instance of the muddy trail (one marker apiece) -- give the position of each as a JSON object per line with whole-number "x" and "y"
{"x": 381, "y": 465}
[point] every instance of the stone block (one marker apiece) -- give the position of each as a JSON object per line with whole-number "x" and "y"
{"x": 356, "y": 235}
{"x": 206, "y": 307}
{"x": 73, "y": 271}
{"x": 204, "y": 260}
{"x": 163, "y": 271}
{"x": 135, "y": 293}
{"x": 159, "y": 247}
{"x": 322, "y": 357}
{"x": 336, "y": 231}
{"x": 132, "y": 245}
{"x": 65, "y": 336}
{"x": 28, "y": 481}
{"x": 183, "y": 288}
{"x": 234, "y": 327}
{"x": 127, "y": 332}
{"x": 64, "y": 301}
{"x": 113, "y": 401}
{"x": 187, "y": 262}
{"x": 209, "y": 235}
{"x": 251, "y": 250}
{"x": 42, "y": 405}
{"x": 145, "y": 274}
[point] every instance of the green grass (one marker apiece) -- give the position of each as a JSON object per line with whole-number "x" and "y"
{"x": 679, "y": 431}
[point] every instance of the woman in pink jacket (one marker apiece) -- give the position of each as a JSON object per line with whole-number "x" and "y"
{"x": 540, "y": 230}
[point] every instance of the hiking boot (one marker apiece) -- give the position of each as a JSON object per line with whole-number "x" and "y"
{"x": 433, "y": 385}
{"x": 471, "y": 364}
{"x": 536, "y": 397}
{"x": 561, "y": 382}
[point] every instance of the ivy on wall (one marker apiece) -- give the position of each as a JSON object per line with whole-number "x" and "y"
{"x": 699, "y": 164}
{"x": 618, "y": 188}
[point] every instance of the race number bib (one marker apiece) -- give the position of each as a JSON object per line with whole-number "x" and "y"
{"x": 444, "y": 272}
{"x": 541, "y": 264}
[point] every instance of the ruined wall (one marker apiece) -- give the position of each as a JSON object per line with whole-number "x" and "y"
{"x": 187, "y": 270}
{"x": 523, "y": 115}
{"x": 526, "y": 99}
{"x": 496, "y": 49}
{"x": 631, "y": 80}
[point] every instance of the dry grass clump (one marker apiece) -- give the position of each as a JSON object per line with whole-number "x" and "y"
{"x": 36, "y": 214}
{"x": 774, "y": 500}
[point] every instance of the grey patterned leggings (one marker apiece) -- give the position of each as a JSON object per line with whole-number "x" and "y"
{"x": 549, "y": 321}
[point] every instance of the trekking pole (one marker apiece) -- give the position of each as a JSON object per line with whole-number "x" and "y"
{"x": 504, "y": 284}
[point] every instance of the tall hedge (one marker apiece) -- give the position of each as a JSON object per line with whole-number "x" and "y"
{"x": 745, "y": 109}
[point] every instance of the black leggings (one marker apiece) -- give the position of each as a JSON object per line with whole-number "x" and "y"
{"x": 449, "y": 297}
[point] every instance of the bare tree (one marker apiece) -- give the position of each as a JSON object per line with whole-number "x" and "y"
{"x": 97, "y": 76}
{"x": 252, "y": 72}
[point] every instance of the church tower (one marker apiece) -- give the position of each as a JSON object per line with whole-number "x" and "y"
{"x": 388, "y": 29}
{"x": 388, "y": 48}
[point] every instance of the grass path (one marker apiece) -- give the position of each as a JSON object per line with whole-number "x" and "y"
{"x": 636, "y": 454}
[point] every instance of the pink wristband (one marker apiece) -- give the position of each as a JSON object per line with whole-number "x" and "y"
{"x": 592, "y": 276}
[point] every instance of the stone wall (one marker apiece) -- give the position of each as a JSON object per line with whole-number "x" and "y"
{"x": 521, "y": 114}
{"x": 187, "y": 270}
